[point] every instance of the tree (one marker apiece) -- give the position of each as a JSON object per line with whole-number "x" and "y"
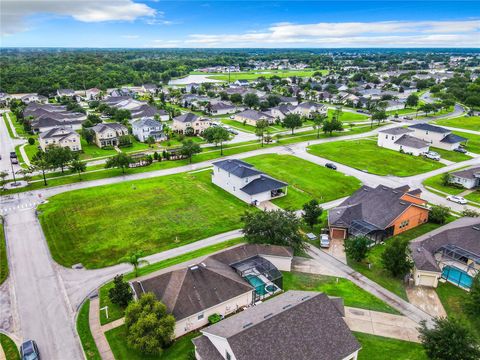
{"x": 190, "y": 148}
{"x": 396, "y": 257}
{"x": 3, "y": 177}
{"x": 26, "y": 174}
{"x": 311, "y": 212}
{"x": 251, "y": 100}
{"x": 119, "y": 161}
{"x": 40, "y": 163}
{"x": 357, "y": 248}
{"x": 88, "y": 135}
{"x": 292, "y": 121}
{"x": 149, "y": 326}
{"x": 217, "y": 135}
{"x": 439, "y": 214}
{"x": 449, "y": 339}
{"x": 59, "y": 157}
{"x": 78, "y": 167}
{"x": 94, "y": 118}
{"x": 260, "y": 128}
{"x": 236, "y": 98}
{"x": 31, "y": 141}
{"x": 446, "y": 179}
{"x": 379, "y": 116}
{"x": 135, "y": 260}
{"x": 318, "y": 120}
{"x": 472, "y": 303}
{"x": 121, "y": 293}
{"x": 150, "y": 141}
{"x": 470, "y": 213}
{"x": 412, "y": 101}
{"x": 276, "y": 227}
{"x": 331, "y": 126}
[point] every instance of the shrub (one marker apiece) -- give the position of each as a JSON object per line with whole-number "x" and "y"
{"x": 31, "y": 141}
{"x": 120, "y": 294}
{"x": 214, "y": 318}
{"x": 357, "y": 248}
{"x": 439, "y": 214}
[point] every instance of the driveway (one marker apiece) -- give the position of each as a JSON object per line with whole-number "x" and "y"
{"x": 426, "y": 299}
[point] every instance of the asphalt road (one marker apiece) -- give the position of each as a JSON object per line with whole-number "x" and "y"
{"x": 7, "y": 145}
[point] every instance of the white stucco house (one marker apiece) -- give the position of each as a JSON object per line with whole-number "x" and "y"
{"x": 146, "y": 127}
{"x": 245, "y": 182}
{"x": 400, "y": 139}
{"x": 468, "y": 178}
{"x": 437, "y": 136}
{"x": 307, "y": 109}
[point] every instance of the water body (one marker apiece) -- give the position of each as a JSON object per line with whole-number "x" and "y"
{"x": 198, "y": 79}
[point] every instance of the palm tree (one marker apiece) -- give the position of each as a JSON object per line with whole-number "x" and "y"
{"x": 135, "y": 260}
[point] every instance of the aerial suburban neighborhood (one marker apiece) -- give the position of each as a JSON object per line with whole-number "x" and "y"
{"x": 302, "y": 182}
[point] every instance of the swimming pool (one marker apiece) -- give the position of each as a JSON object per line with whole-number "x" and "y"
{"x": 457, "y": 276}
{"x": 257, "y": 283}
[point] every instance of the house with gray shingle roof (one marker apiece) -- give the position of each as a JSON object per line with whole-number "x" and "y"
{"x": 185, "y": 121}
{"x": 245, "y": 182}
{"x": 300, "y": 325}
{"x": 61, "y": 136}
{"x": 437, "y": 136}
{"x": 451, "y": 253}
{"x": 146, "y": 128}
{"x": 468, "y": 178}
{"x": 401, "y": 139}
{"x": 251, "y": 117}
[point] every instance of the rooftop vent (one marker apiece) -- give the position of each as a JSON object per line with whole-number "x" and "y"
{"x": 402, "y": 203}
{"x": 305, "y": 297}
{"x": 287, "y": 306}
{"x": 194, "y": 267}
{"x": 476, "y": 227}
{"x": 267, "y": 316}
{"x": 247, "y": 325}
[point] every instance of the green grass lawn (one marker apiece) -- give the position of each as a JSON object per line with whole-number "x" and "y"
{"x": 9, "y": 347}
{"x": 377, "y": 273}
{"x": 3, "y": 254}
{"x": 115, "y": 312}
{"x": 181, "y": 349}
{"x": 174, "y": 142}
{"x": 475, "y": 196}
{"x": 377, "y": 347}
{"x": 239, "y": 125}
{"x": 352, "y": 294}
{"x": 437, "y": 183}
{"x": 348, "y": 116}
{"x": 473, "y": 143}
{"x": 99, "y": 226}
{"x": 7, "y": 124}
{"x": 365, "y": 155}
{"x": 92, "y": 151}
{"x": 451, "y": 155}
{"x": 86, "y": 338}
{"x": 453, "y": 298}
{"x": 253, "y": 75}
{"x": 402, "y": 111}
{"x": 306, "y": 180}
{"x": 463, "y": 122}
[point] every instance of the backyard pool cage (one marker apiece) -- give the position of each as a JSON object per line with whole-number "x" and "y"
{"x": 453, "y": 274}
{"x": 261, "y": 274}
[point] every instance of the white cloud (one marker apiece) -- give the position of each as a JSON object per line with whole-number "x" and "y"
{"x": 130, "y": 36}
{"x": 14, "y": 13}
{"x": 352, "y": 34}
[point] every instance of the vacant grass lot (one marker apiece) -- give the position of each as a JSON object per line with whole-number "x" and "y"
{"x": 253, "y": 75}
{"x": 9, "y": 347}
{"x": 463, "y": 122}
{"x": 352, "y": 295}
{"x": 99, "y": 226}
{"x": 306, "y": 180}
{"x": 365, "y": 155}
{"x": 377, "y": 347}
{"x": 348, "y": 116}
{"x": 377, "y": 273}
{"x": 85, "y": 334}
{"x": 181, "y": 349}
{"x": 473, "y": 143}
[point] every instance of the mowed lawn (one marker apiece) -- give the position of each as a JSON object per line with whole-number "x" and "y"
{"x": 306, "y": 180}
{"x": 473, "y": 143}
{"x": 99, "y": 226}
{"x": 463, "y": 122}
{"x": 365, "y": 155}
{"x": 348, "y": 116}
{"x": 380, "y": 348}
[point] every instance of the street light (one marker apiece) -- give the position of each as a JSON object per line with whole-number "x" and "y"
{"x": 13, "y": 173}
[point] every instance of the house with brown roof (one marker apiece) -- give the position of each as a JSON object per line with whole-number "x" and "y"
{"x": 222, "y": 283}
{"x": 378, "y": 213}
{"x": 449, "y": 253}
{"x": 300, "y": 325}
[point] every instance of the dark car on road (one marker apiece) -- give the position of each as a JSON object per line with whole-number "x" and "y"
{"x": 29, "y": 351}
{"x": 460, "y": 150}
{"x": 331, "y": 166}
{"x": 13, "y": 155}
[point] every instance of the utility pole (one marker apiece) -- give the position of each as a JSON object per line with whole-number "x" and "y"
{"x": 13, "y": 173}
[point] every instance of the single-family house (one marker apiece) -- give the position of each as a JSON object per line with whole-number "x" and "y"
{"x": 189, "y": 87}
{"x": 60, "y": 136}
{"x": 240, "y": 82}
{"x": 109, "y": 134}
{"x": 34, "y": 98}
{"x": 437, "y": 136}
{"x": 451, "y": 253}
{"x": 66, "y": 92}
{"x": 468, "y": 178}
{"x": 149, "y": 88}
{"x": 47, "y": 122}
{"x": 400, "y": 139}
{"x": 245, "y": 182}
{"x": 281, "y": 111}
{"x": 185, "y": 121}
{"x": 92, "y": 94}
{"x": 223, "y": 284}
{"x": 378, "y": 213}
{"x": 300, "y": 325}
{"x": 307, "y": 109}
{"x": 251, "y": 117}
{"x": 146, "y": 128}
{"x": 222, "y": 108}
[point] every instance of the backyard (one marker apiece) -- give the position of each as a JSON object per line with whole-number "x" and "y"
{"x": 473, "y": 143}
{"x": 306, "y": 180}
{"x": 376, "y": 348}
{"x": 365, "y": 155}
{"x": 98, "y": 226}
{"x": 463, "y": 122}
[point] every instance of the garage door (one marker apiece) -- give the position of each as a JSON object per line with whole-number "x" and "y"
{"x": 426, "y": 280}
{"x": 338, "y": 233}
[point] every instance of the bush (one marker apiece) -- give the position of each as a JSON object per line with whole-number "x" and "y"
{"x": 120, "y": 294}
{"x": 439, "y": 214}
{"x": 357, "y": 248}
{"x": 214, "y": 318}
{"x": 31, "y": 141}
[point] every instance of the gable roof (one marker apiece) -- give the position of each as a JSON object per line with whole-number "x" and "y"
{"x": 453, "y": 139}
{"x": 411, "y": 141}
{"x": 396, "y": 131}
{"x": 146, "y": 122}
{"x": 254, "y": 115}
{"x": 428, "y": 127}
{"x": 188, "y": 117}
{"x": 471, "y": 174}
{"x": 262, "y": 184}
{"x": 299, "y": 325}
{"x": 237, "y": 167}
{"x": 60, "y": 132}
{"x": 100, "y": 128}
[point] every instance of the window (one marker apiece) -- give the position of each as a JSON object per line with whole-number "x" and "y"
{"x": 200, "y": 317}
{"x": 386, "y": 136}
{"x": 404, "y": 224}
{"x": 228, "y": 357}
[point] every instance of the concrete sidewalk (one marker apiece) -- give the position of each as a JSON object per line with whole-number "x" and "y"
{"x": 98, "y": 331}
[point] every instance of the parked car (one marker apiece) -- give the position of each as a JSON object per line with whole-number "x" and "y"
{"x": 14, "y": 161}
{"x": 13, "y": 155}
{"x": 407, "y": 118}
{"x": 331, "y": 166}
{"x": 457, "y": 199}
{"x": 29, "y": 351}
{"x": 324, "y": 241}
{"x": 232, "y": 131}
{"x": 460, "y": 150}
{"x": 432, "y": 155}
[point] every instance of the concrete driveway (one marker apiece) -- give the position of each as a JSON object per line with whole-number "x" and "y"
{"x": 426, "y": 299}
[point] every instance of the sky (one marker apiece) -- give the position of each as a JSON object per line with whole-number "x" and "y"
{"x": 244, "y": 24}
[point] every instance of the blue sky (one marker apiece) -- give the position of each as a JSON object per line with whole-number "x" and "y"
{"x": 141, "y": 23}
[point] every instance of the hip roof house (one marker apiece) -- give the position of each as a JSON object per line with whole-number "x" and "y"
{"x": 401, "y": 139}
{"x": 245, "y": 182}
{"x": 437, "y": 136}
{"x": 300, "y": 325}
{"x": 378, "y": 213}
